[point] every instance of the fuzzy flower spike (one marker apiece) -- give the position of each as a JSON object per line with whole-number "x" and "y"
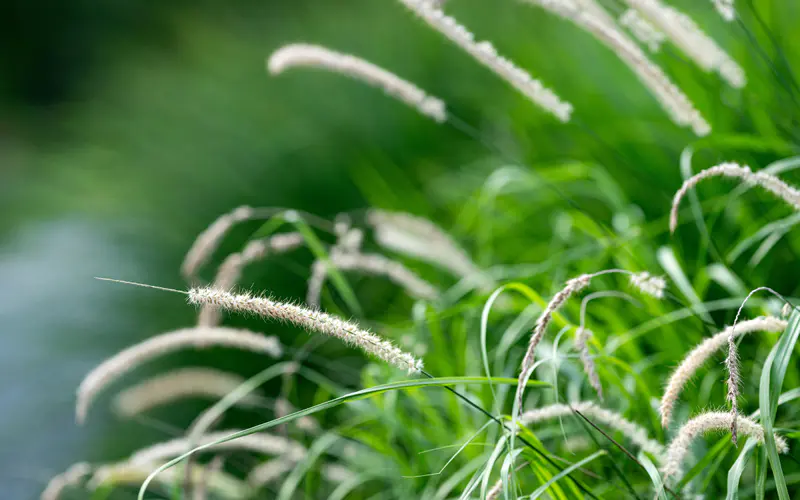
{"x": 591, "y": 17}
{"x": 485, "y": 53}
{"x": 701, "y": 424}
{"x": 308, "y": 319}
{"x": 208, "y": 241}
{"x": 259, "y": 442}
{"x": 178, "y": 384}
{"x": 685, "y": 34}
{"x": 732, "y": 363}
{"x": 230, "y": 271}
{"x": 582, "y": 335}
{"x": 645, "y": 32}
{"x": 315, "y": 56}
{"x": 769, "y": 182}
{"x": 703, "y": 351}
{"x": 421, "y": 239}
{"x": 632, "y": 431}
{"x": 646, "y": 283}
{"x": 200, "y": 337}
{"x": 66, "y": 480}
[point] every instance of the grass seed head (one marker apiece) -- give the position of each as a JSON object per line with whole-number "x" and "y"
{"x": 767, "y": 181}
{"x": 704, "y": 423}
{"x": 485, "y": 53}
{"x": 702, "y": 352}
{"x": 197, "y": 338}
{"x": 309, "y": 319}
{"x": 315, "y": 56}
{"x": 207, "y": 242}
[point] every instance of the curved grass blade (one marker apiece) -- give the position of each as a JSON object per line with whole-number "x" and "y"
{"x": 292, "y": 481}
{"x": 353, "y": 396}
{"x": 318, "y": 249}
{"x": 736, "y": 470}
{"x": 666, "y": 257}
{"x": 761, "y": 473}
{"x": 487, "y": 308}
{"x": 487, "y": 474}
{"x": 543, "y": 488}
{"x": 655, "y": 476}
{"x": 787, "y": 396}
{"x": 726, "y": 279}
{"x": 772, "y": 376}
{"x": 214, "y": 412}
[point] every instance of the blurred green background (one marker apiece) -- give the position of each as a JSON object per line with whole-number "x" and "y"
{"x": 128, "y": 126}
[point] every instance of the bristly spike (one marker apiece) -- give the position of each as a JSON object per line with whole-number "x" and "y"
{"x": 645, "y": 32}
{"x": 571, "y": 287}
{"x": 701, "y": 424}
{"x": 315, "y": 56}
{"x": 175, "y": 385}
{"x": 486, "y": 54}
{"x": 632, "y": 431}
{"x": 311, "y": 320}
{"x": 67, "y": 479}
{"x": 380, "y": 265}
{"x": 199, "y": 337}
{"x": 207, "y": 242}
{"x": 592, "y": 18}
{"x": 726, "y": 9}
{"x": 649, "y": 284}
{"x": 581, "y": 345}
{"x": 767, "y": 181}
{"x": 703, "y": 351}
{"x": 260, "y": 442}
{"x": 421, "y": 239}
{"x": 230, "y": 271}
{"x": 684, "y": 33}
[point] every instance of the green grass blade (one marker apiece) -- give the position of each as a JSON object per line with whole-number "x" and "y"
{"x": 487, "y": 474}
{"x": 655, "y": 476}
{"x": 736, "y": 470}
{"x": 772, "y": 376}
{"x": 543, "y": 488}
{"x": 666, "y": 257}
{"x": 524, "y": 290}
{"x": 318, "y": 249}
{"x": 214, "y": 412}
{"x": 718, "y": 449}
{"x": 761, "y": 473}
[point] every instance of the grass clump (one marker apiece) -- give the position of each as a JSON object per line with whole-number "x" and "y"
{"x": 450, "y": 433}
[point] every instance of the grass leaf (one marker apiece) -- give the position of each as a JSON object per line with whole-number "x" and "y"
{"x": 772, "y": 376}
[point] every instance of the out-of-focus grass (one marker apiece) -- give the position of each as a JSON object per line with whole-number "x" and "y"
{"x": 166, "y": 130}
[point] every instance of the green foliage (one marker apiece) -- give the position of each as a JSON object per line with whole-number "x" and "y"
{"x": 176, "y": 125}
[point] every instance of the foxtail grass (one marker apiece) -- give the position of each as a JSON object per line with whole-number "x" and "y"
{"x": 260, "y": 442}
{"x": 196, "y": 338}
{"x": 66, "y": 480}
{"x": 767, "y": 181}
{"x": 230, "y": 271}
{"x": 632, "y": 431}
{"x": 704, "y": 423}
{"x": 676, "y": 104}
{"x": 309, "y": 319}
{"x": 178, "y": 384}
{"x": 315, "y": 56}
{"x": 685, "y": 34}
{"x": 646, "y": 283}
{"x": 485, "y": 53}
{"x": 647, "y": 34}
{"x": 702, "y": 352}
